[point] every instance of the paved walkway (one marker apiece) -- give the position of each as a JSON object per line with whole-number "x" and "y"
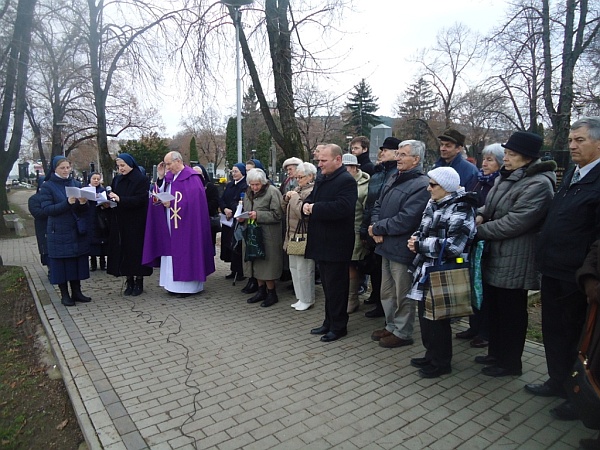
{"x": 212, "y": 371}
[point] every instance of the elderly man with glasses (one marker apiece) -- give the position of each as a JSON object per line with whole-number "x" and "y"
{"x": 395, "y": 216}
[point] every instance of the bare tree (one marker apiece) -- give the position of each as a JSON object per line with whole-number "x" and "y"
{"x": 576, "y": 26}
{"x": 14, "y": 86}
{"x": 518, "y": 52}
{"x": 445, "y": 65}
{"x": 116, "y": 42}
{"x": 318, "y": 117}
{"x": 280, "y": 25}
{"x": 210, "y": 136}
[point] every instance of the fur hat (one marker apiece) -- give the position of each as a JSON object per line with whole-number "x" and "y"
{"x": 453, "y": 135}
{"x": 348, "y": 159}
{"x": 291, "y": 162}
{"x": 525, "y": 143}
{"x": 446, "y": 177}
{"x": 390, "y": 143}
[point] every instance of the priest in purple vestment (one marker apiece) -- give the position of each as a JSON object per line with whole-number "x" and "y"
{"x": 178, "y": 236}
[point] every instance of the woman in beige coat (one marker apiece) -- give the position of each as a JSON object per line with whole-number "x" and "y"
{"x": 303, "y": 270}
{"x": 263, "y": 204}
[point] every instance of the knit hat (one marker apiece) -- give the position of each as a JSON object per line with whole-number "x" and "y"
{"x": 446, "y": 177}
{"x": 241, "y": 167}
{"x": 525, "y": 143}
{"x": 390, "y": 143}
{"x": 453, "y": 135}
{"x": 348, "y": 159}
{"x": 291, "y": 162}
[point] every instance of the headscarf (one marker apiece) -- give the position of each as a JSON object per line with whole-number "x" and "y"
{"x": 205, "y": 179}
{"x": 241, "y": 167}
{"x": 128, "y": 160}
{"x": 53, "y": 165}
{"x": 258, "y": 165}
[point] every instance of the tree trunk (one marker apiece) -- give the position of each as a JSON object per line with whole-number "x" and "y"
{"x": 288, "y": 138}
{"x": 15, "y": 88}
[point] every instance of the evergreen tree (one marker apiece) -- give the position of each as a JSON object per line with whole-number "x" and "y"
{"x": 147, "y": 151}
{"x": 193, "y": 150}
{"x": 361, "y": 105}
{"x": 231, "y": 142}
{"x": 418, "y": 101}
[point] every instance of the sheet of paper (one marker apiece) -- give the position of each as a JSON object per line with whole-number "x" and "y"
{"x": 224, "y": 221}
{"x": 101, "y": 199}
{"x": 164, "y": 196}
{"x": 240, "y": 214}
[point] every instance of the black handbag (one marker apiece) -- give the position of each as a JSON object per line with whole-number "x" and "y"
{"x": 255, "y": 248}
{"x": 215, "y": 223}
{"x": 583, "y": 385}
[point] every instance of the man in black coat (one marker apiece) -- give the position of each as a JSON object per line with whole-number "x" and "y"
{"x": 359, "y": 146}
{"x": 330, "y": 211}
{"x": 571, "y": 227}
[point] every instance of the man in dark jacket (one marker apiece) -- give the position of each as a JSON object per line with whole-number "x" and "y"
{"x": 572, "y": 225}
{"x": 452, "y": 143}
{"x": 330, "y": 211}
{"x": 359, "y": 146}
{"x": 383, "y": 172}
{"x": 395, "y": 217}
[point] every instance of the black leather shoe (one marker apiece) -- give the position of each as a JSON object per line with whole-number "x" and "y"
{"x": 231, "y": 276}
{"x": 331, "y": 336}
{"x": 544, "y": 390}
{"x": 240, "y": 277}
{"x": 434, "y": 372}
{"x": 467, "y": 334}
{"x": 251, "y": 286}
{"x": 487, "y": 360}
{"x": 496, "y": 371}
{"x": 371, "y": 301}
{"x": 320, "y": 330}
{"x": 374, "y": 313}
{"x": 565, "y": 411}
{"x": 419, "y": 363}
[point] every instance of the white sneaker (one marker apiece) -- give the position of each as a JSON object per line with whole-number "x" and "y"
{"x": 303, "y": 306}
{"x": 296, "y": 304}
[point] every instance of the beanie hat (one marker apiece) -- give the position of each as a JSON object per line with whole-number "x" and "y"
{"x": 291, "y": 162}
{"x": 525, "y": 143}
{"x": 348, "y": 159}
{"x": 446, "y": 177}
{"x": 453, "y": 135}
{"x": 390, "y": 143}
{"x": 241, "y": 167}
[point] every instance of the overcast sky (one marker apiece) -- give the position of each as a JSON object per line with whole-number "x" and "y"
{"x": 384, "y": 35}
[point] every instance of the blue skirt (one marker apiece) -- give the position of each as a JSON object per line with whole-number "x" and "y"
{"x": 68, "y": 269}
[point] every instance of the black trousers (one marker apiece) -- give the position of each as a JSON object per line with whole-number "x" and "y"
{"x": 508, "y": 324}
{"x": 437, "y": 339}
{"x": 563, "y": 317}
{"x": 335, "y": 281}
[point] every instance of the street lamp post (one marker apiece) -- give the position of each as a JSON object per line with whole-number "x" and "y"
{"x": 237, "y": 19}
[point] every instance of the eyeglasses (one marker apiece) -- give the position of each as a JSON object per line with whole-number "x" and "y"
{"x": 432, "y": 185}
{"x": 299, "y": 177}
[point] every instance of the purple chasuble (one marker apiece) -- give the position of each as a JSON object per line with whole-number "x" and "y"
{"x": 190, "y": 243}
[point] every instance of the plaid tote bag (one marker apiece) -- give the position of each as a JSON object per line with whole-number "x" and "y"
{"x": 450, "y": 290}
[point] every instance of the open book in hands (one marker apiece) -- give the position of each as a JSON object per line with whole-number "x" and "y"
{"x": 86, "y": 192}
{"x": 163, "y": 196}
